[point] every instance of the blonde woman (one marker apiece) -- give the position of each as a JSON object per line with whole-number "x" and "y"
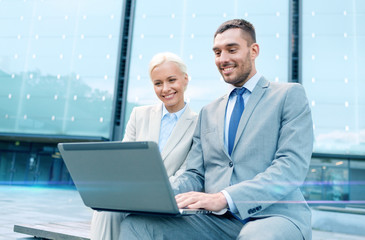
{"x": 170, "y": 123}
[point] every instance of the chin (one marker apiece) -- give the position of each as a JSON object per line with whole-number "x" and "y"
{"x": 169, "y": 104}
{"x": 227, "y": 80}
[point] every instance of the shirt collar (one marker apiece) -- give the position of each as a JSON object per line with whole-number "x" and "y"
{"x": 178, "y": 113}
{"x": 249, "y": 85}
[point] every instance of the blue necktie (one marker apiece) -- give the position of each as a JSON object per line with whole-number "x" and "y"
{"x": 235, "y": 118}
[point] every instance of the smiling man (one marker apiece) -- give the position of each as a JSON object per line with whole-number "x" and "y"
{"x": 251, "y": 152}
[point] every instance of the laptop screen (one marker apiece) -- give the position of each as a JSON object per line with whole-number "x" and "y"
{"x": 120, "y": 176}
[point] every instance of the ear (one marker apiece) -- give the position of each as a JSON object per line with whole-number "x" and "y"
{"x": 186, "y": 80}
{"x": 255, "y": 50}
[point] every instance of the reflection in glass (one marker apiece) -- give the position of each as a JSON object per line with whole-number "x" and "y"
{"x": 57, "y": 66}
{"x": 333, "y": 73}
{"x": 327, "y": 179}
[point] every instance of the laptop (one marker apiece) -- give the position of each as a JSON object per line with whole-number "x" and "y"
{"x": 122, "y": 176}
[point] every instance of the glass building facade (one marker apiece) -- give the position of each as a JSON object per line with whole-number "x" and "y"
{"x": 59, "y": 73}
{"x": 187, "y": 28}
{"x": 58, "y": 64}
{"x": 333, "y": 70}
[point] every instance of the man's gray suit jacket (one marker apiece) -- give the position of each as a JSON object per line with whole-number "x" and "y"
{"x": 270, "y": 158}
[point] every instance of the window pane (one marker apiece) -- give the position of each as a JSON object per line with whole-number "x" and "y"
{"x": 327, "y": 179}
{"x": 333, "y": 73}
{"x": 187, "y": 28}
{"x": 57, "y": 66}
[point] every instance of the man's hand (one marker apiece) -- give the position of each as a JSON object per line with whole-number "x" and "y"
{"x": 212, "y": 202}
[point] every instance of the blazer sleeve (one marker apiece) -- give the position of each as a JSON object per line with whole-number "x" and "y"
{"x": 179, "y": 172}
{"x": 130, "y": 130}
{"x": 193, "y": 177}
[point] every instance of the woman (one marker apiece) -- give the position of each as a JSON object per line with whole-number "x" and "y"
{"x": 171, "y": 124}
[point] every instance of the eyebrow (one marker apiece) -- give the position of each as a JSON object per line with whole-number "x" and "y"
{"x": 171, "y": 76}
{"x": 227, "y": 45}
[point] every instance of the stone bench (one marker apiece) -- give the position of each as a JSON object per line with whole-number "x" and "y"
{"x": 56, "y": 231}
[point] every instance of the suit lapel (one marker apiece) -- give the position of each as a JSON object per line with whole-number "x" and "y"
{"x": 155, "y": 123}
{"x": 221, "y": 121}
{"x": 178, "y": 132}
{"x": 255, "y": 97}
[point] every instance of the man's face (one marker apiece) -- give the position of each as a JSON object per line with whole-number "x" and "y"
{"x": 234, "y": 59}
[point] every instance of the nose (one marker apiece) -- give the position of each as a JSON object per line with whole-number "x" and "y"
{"x": 165, "y": 87}
{"x": 223, "y": 58}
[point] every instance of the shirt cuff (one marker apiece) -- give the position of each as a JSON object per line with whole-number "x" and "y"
{"x": 231, "y": 205}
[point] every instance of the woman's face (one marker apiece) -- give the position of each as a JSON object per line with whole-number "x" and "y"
{"x": 169, "y": 84}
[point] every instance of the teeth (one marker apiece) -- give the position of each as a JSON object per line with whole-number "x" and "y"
{"x": 169, "y": 96}
{"x": 227, "y": 69}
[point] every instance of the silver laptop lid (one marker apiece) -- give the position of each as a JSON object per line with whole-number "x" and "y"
{"x": 120, "y": 176}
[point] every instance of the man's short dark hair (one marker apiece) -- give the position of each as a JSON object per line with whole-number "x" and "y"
{"x": 244, "y": 25}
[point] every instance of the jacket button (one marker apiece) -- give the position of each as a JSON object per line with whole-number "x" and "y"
{"x": 230, "y": 164}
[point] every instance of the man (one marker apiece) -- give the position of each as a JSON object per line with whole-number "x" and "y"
{"x": 252, "y": 165}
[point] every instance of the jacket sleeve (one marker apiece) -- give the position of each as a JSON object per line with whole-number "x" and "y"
{"x": 130, "y": 130}
{"x": 193, "y": 178}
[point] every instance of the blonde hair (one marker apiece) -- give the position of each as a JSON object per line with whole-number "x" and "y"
{"x": 163, "y": 57}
